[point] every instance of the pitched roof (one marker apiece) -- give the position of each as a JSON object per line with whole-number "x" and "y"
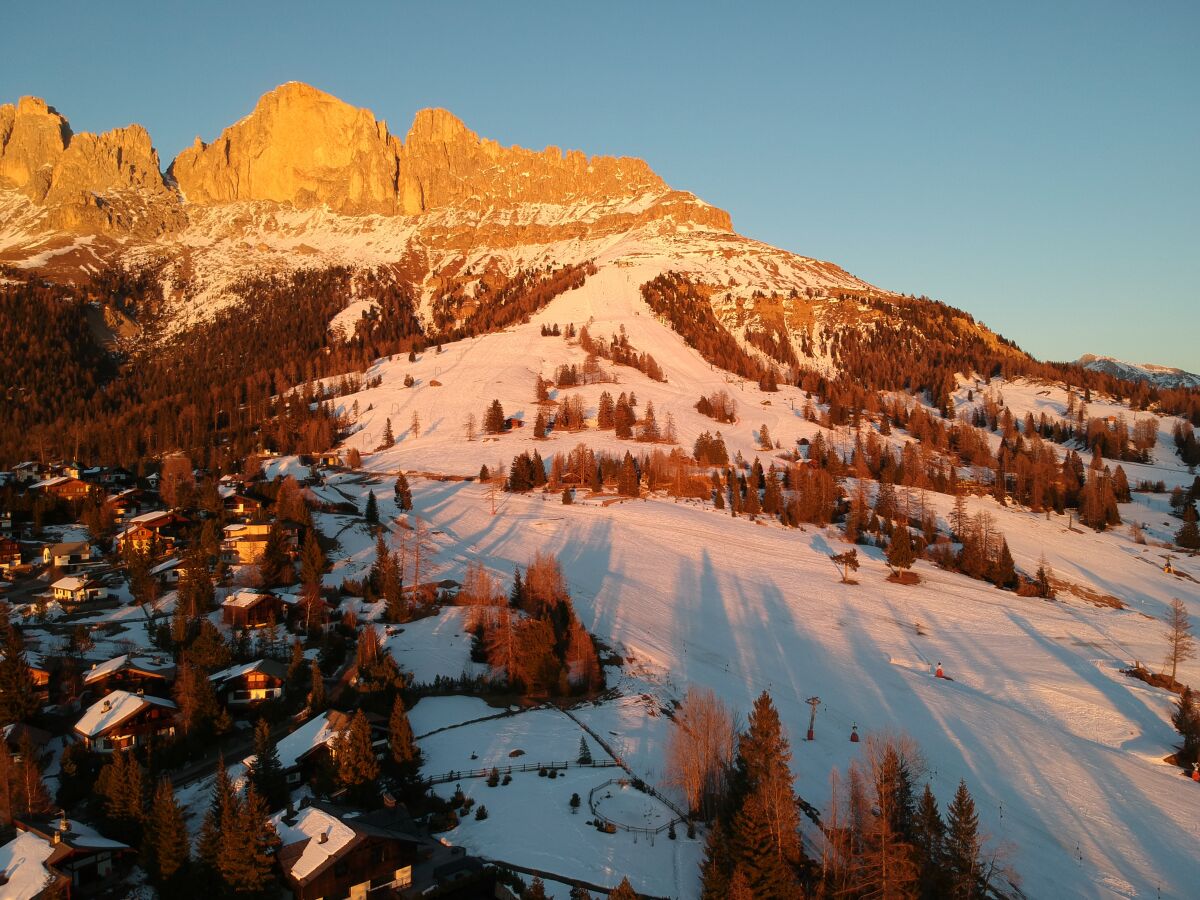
{"x": 303, "y": 853}
{"x": 115, "y": 709}
{"x": 71, "y": 583}
{"x": 145, "y": 664}
{"x": 272, "y": 667}
{"x": 245, "y": 597}
{"x": 23, "y": 866}
{"x": 69, "y": 548}
{"x": 316, "y": 732}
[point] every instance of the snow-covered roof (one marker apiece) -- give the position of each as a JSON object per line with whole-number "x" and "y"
{"x": 309, "y": 825}
{"x": 303, "y": 740}
{"x": 149, "y": 518}
{"x": 51, "y": 482}
{"x": 125, "y": 661}
{"x": 23, "y": 865}
{"x": 115, "y": 709}
{"x": 69, "y": 548}
{"x": 167, "y": 566}
{"x": 71, "y": 583}
{"x": 244, "y": 597}
{"x": 271, "y": 666}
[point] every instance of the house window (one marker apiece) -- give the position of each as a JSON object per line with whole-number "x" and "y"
{"x": 403, "y": 877}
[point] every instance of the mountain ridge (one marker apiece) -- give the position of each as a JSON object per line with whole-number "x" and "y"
{"x": 1152, "y": 373}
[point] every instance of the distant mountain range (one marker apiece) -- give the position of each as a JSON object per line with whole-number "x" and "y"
{"x": 1160, "y": 376}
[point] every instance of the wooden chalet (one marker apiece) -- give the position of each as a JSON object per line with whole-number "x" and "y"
{"x": 248, "y": 608}
{"x": 72, "y": 859}
{"x": 245, "y": 504}
{"x": 152, "y": 532}
{"x": 64, "y": 487}
{"x": 123, "y": 720}
{"x": 303, "y": 752}
{"x": 70, "y": 556}
{"x": 10, "y": 555}
{"x": 130, "y": 673}
{"x": 331, "y": 851}
{"x": 241, "y": 687}
{"x": 71, "y": 590}
{"x": 18, "y": 735}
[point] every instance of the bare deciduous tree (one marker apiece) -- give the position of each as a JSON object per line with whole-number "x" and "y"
{"x": 700, "y": 749}
{"x": 1181, "y": 644}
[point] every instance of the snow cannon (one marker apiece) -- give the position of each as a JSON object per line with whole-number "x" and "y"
{"x": 939, "y": 673}
{"x": 854, "y": 734}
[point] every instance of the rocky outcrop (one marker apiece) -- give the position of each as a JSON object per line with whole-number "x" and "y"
{"x": 299, "y": 146}
{"x": 85, "y": 182}
{"x": 305, "y": 149}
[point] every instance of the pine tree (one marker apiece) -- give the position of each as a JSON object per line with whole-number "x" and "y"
{"x": 371, "y": 513}
{"x": 403, "y": 493}
{"x": 18, "y": 692}
{"x": 166, "y": 848}
{"x": 266, "y": 772}
{"x": 400, "y": 736}
{"x": 389, "y": 438}
{"x": 195, "y": 697}
{"x": 585, "y": 752}
{"x": 220, "y": 813}
{"x": 962, "y": 846}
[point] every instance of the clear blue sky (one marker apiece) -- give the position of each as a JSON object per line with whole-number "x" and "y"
{"x": 1035, "y": 164}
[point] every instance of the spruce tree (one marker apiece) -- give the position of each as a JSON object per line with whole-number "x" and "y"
{"x": 220, "y": 813}
{"x": 900, "y": 553}
{"x": 403, "y": 493}
{"x": 535, "y": 891}
{"x": 18, "y": 692}
{"x": 493, "y": 419}
{"x": 929, "y": 835}
{"x": 166, "y": 848}
{"x": 275, "y": 566}
{"x": 371, "y": 513}
{"x": 627, "y": 482}
{"x": 266, "y": 772}
{"x": 1186, "y": 720}
{"x": 962, "y": 846}
{"x": 1004, "y": 573}
{"x": 312, "y": 561}
{"x": 1188, "y": 536}
{"x": 316, "y": 690}
{"x": 585, "y": 752}
{"x": 248, "y": 845}
{"x": 357, "y": 767}
{"x": 623, "y": 891}
{"x": 400, "y": 736}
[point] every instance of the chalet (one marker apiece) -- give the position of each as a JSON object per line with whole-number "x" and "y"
{"x": 69, "y": 858}
{"x": 331, "y": 851}
{"x": 243, "y": 543}
{"x": 124, "y": 720}
{"x": 155, "y": 531}
{"x": 244, "y": 504}
{"x": 132, "y": 674}
{"x": 10, "y": 555}
{"x": 301, "y": 753}
{"x": 250, "y": 684}
{"x": 70, "y": 556}
{"x": 167, "y": 573}
{"x": 64, "y": 487}
{"x": 128, "y": 503}
{"x": 27, "y": 472}
{"x": 78, "y": 589}
{"x": 18, "y": 735}
{"x": 248, "y": 608}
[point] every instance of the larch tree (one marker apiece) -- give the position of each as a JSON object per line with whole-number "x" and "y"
{"x": 1181, "y": 644}
{"x": 312, "y": 560}
{"x": 700, "y": 750}
{"x": 403, "y": 493}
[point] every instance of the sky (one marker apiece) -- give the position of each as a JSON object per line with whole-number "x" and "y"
{"x": 1036, "y": 164}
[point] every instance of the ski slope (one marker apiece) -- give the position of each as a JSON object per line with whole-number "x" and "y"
{"x": 1062, "y": 752}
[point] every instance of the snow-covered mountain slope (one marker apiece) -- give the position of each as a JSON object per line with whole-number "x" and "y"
{"x": 1064, "y": 754}
{"x": 1159, "y": 376}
